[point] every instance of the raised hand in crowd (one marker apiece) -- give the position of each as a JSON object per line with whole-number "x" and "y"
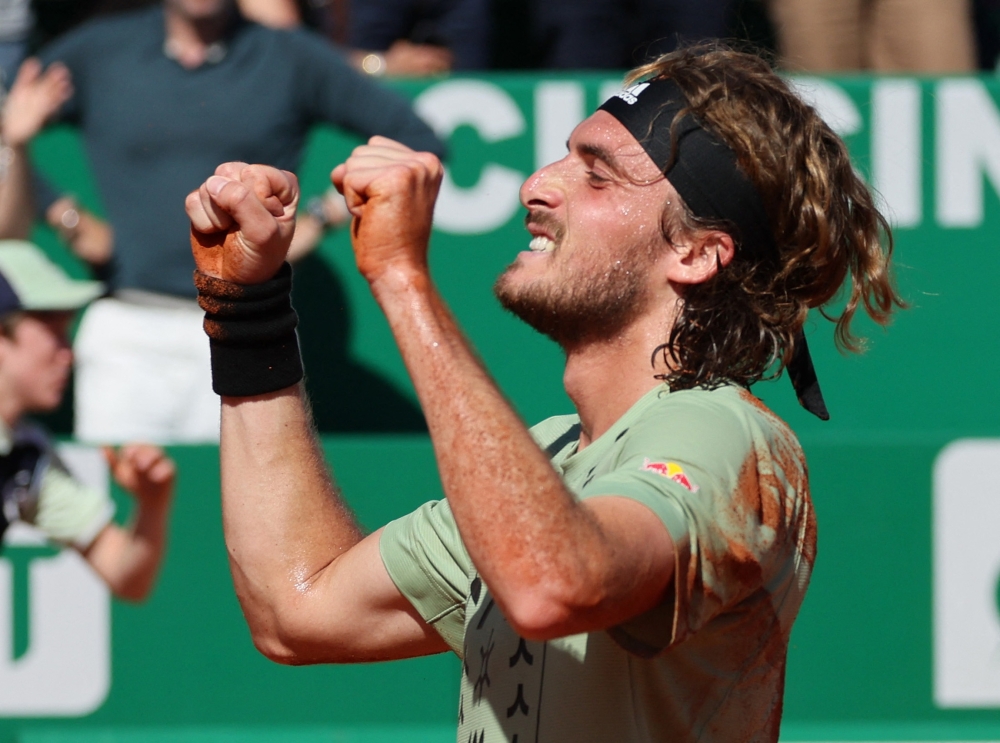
{"x": 128, "y": 558}
{"x": 33, "y": 99}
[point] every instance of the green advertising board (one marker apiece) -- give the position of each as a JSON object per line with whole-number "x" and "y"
{"x": 899, "y": 637}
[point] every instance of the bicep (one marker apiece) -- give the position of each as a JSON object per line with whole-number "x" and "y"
{"x": 353, "y": 612}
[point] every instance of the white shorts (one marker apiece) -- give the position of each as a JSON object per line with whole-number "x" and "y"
{"x": 143, "y": 372}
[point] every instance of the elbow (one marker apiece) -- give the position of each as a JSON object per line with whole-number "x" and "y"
{"x": 538, "y": 622}
{"x": 548, "y": 612}
{"x": 277, "y": 643}
{"x": 132, "y": 596}
{"x": 134, "y": 590}
{"x": 290, "y": 635}
{"x": 272, "y": 646}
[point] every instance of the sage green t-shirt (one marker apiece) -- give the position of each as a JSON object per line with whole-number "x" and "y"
{"x": 728, "y": 480}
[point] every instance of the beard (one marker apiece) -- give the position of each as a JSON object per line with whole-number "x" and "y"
{"x": 583, "y": 304}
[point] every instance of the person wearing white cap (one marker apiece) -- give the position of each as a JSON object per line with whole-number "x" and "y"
{"x": 38, "y": 302}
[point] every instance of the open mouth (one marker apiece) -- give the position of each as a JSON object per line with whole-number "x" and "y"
{"x": 541, "y": 244}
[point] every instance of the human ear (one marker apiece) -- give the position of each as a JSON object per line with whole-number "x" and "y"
{"x": 704, "y": 255}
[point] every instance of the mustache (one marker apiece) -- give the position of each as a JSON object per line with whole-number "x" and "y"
{"x": 545, "y": 221}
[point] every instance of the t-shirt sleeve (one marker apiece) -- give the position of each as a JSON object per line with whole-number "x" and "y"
{"x": 338, "y": 94}
{"x": 68, "y": 511}
{"x": 424, "y": 555}
{"x": 699, "y": 476}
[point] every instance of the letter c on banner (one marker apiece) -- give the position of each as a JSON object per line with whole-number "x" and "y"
{"x": 494, "y": 114}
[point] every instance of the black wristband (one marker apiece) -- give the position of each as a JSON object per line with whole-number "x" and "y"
{"x": 251, "y": 332}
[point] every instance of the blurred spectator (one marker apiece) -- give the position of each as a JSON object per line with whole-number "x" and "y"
{"x": 16, "y": 21}
{"x": 37, "y": 304}
{"x": 614, "y": 34}
{"x": 273, "y": 13}
{"x": 25, "y": 109}
{"x": 88, "y": 237}
{"x": 162, "y": 96}
{"x": 919, "y": 36}
{"x": 393, "y": 37}
{"x": 395, "y": 27}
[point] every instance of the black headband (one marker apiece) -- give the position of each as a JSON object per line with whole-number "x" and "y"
{"x": 705, "y": 172}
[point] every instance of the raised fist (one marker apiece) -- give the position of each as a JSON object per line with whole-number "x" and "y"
{"x": 242, "y": 221}
{"x": 390, "y": 190}
{"x": 144, "y": 470}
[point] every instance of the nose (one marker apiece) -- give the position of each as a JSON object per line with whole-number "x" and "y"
{"x": 541, "y": 189}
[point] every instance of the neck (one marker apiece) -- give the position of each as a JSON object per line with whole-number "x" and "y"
{"x": 189, "y": 39}
{"x": 607, "y": 377}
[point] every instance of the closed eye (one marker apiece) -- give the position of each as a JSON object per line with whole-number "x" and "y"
{"x": 595, "y": 179}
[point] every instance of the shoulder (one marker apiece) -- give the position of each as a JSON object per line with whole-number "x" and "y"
{"x": 115, "y": 26}
{"x": 305, "y": 61}
{"x": 697, "y": 419}
{"x": 293, "y": 43}
{"x": 94, "y": 35}
{"x": 728, "y": 417}
{"x": 719, "y": 439}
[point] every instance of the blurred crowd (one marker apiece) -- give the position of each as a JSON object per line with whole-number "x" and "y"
{"x": 428, "y": 37}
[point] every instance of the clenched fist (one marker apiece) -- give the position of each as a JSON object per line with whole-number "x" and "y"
{"x": 144, "y": 470}
{"x": 390, "y": 190}
{"x": 242, "y": 221}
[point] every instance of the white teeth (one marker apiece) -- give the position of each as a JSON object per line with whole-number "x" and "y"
{"x": 541, "y": 244}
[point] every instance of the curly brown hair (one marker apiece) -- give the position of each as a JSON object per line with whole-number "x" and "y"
{"x": 741, "y": 325}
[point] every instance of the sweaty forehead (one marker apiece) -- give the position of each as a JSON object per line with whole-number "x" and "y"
{"x": 603, "y": 136}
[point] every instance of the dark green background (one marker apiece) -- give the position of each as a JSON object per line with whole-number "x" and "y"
{"x": 861, "y": 659}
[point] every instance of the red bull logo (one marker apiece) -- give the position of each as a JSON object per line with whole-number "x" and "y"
{"x": 671, "y": 471}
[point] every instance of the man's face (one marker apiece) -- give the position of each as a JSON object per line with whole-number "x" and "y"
{"x": 35, "y": 360}
{"x": 200, "y": 10}
{"x": 594, "y": 217}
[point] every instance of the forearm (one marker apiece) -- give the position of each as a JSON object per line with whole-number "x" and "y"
{"x": 16, "y": 202}
{"x": 531, "y": 541}
{"x": 283, "y": 519}
{"x": 129, "y": 559}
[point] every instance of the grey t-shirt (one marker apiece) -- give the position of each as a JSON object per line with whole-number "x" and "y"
{"x": 154, "y": 131}
{"x": 728, "y": 480}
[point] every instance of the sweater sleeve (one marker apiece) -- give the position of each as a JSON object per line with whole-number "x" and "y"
{"x": 338, "y": 94}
